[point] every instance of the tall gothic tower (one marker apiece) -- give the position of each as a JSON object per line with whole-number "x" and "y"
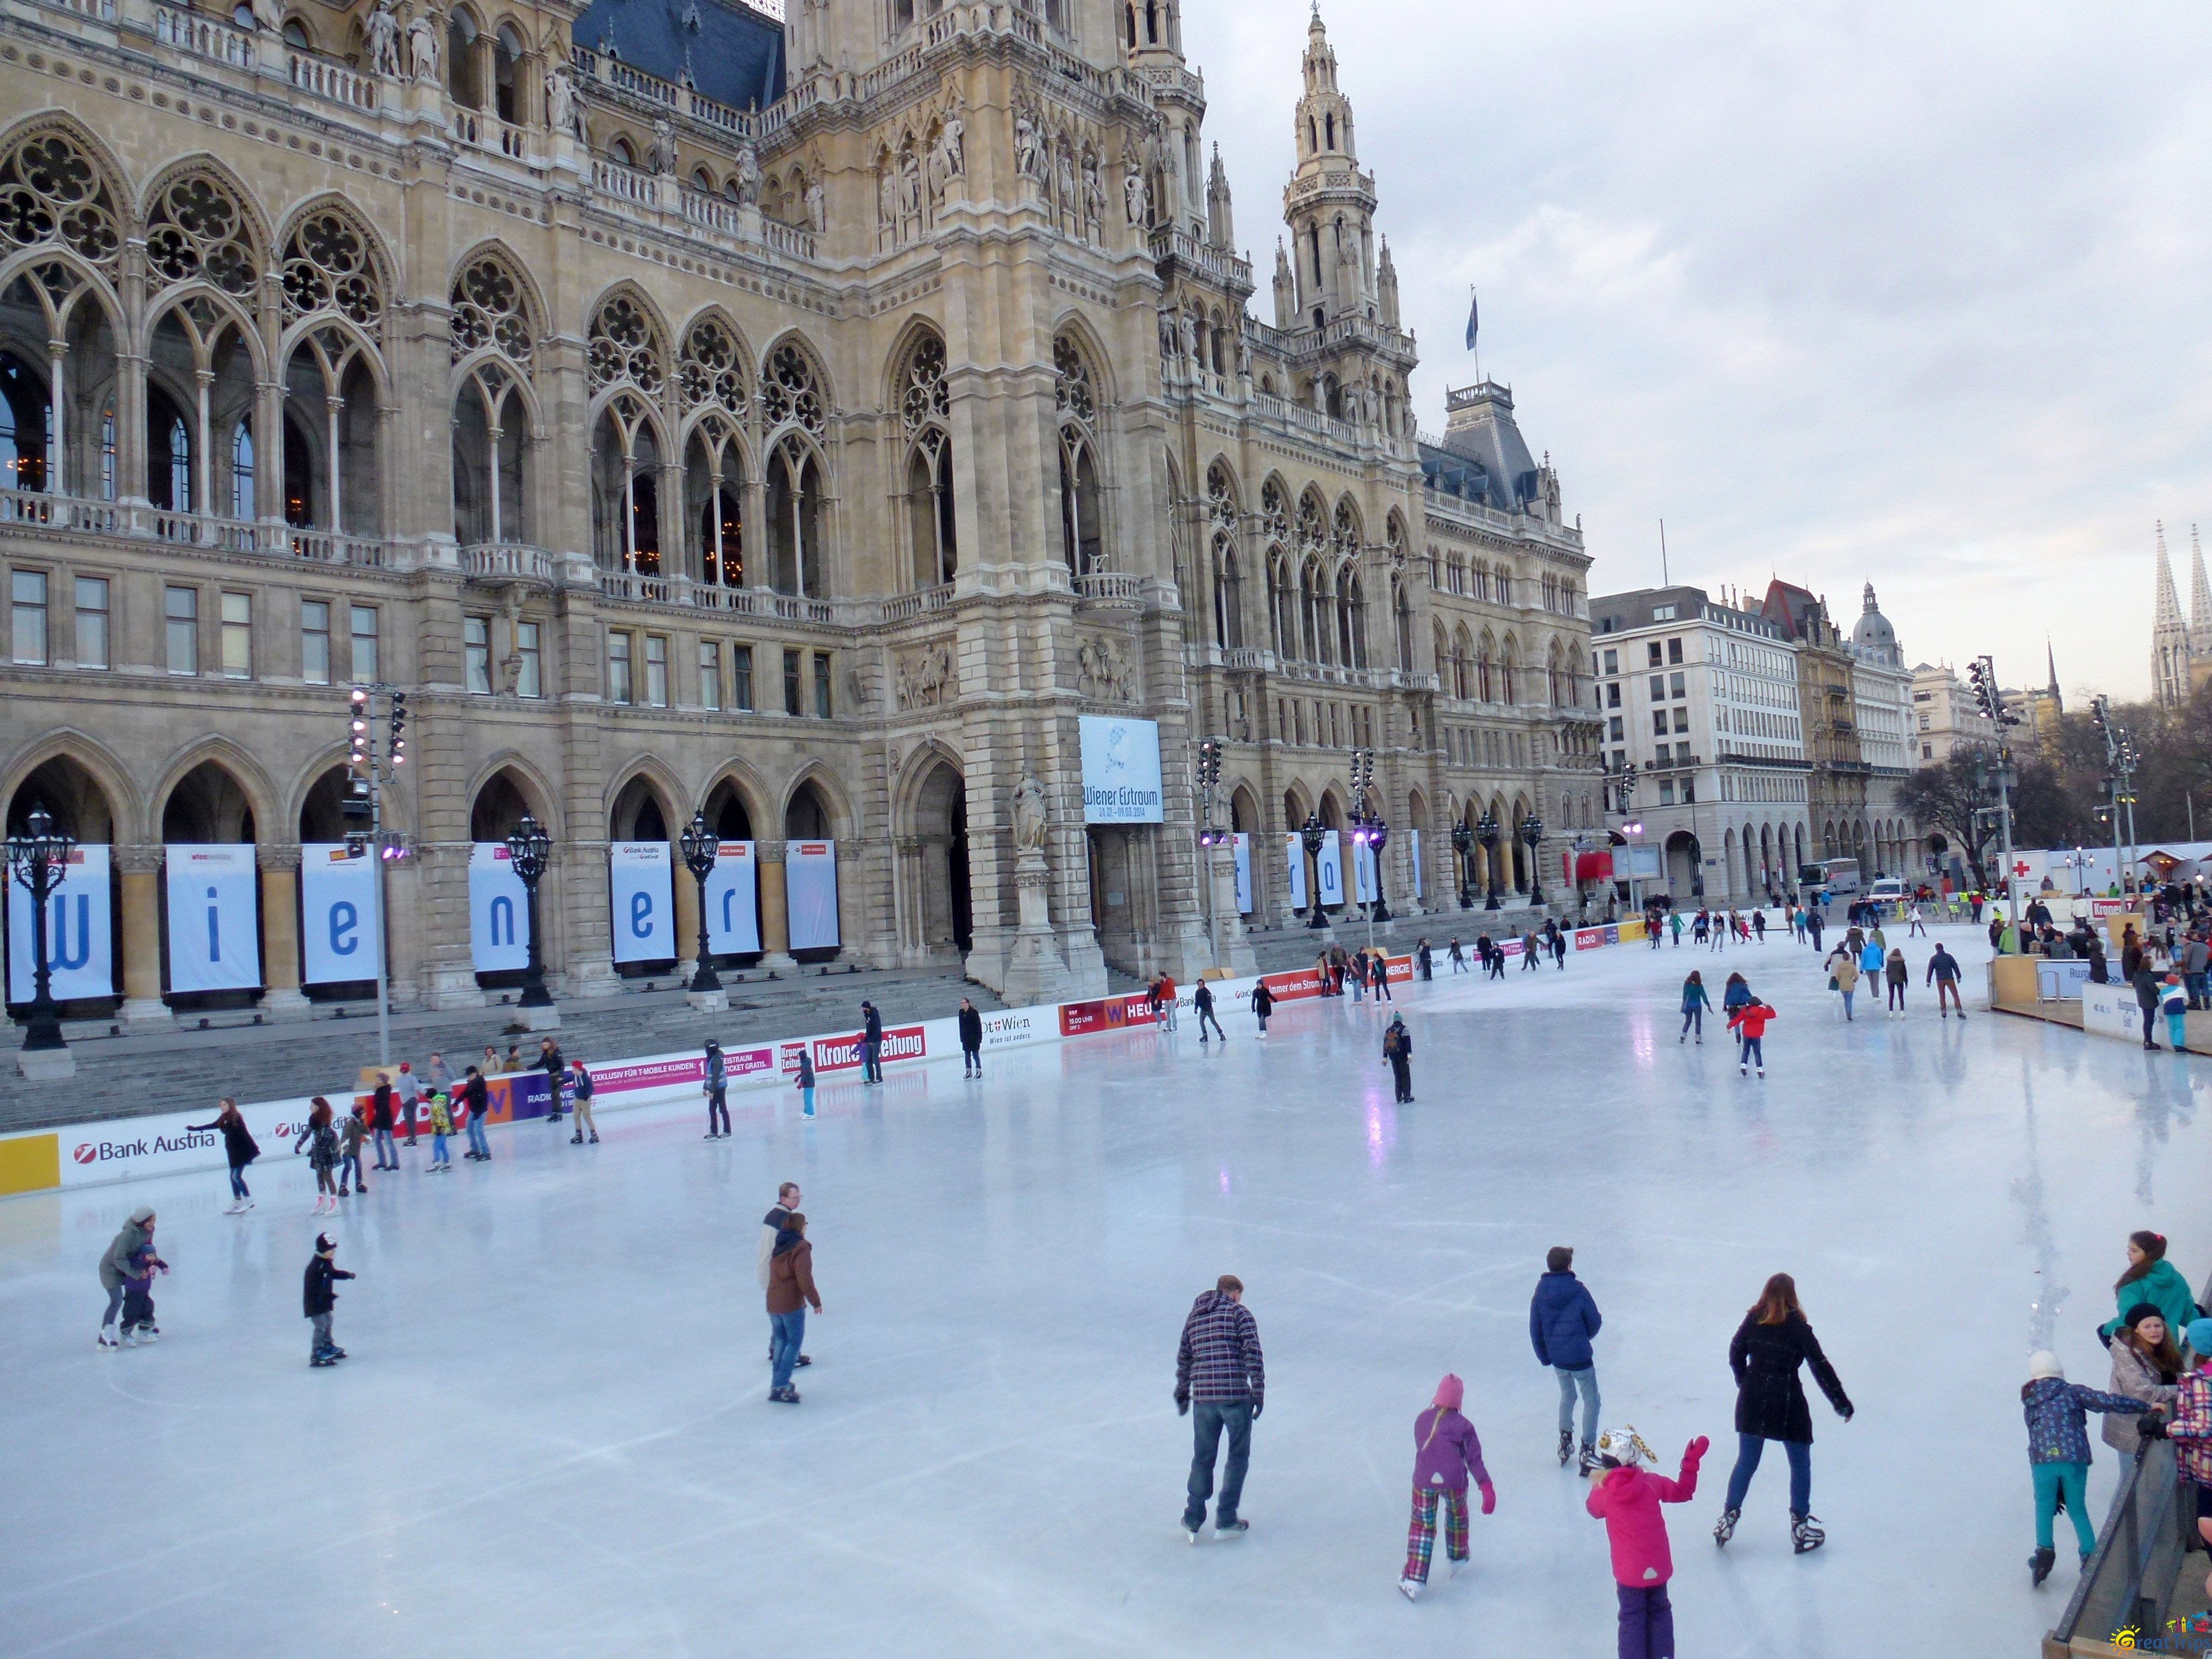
{"x": 2169, "y": 635}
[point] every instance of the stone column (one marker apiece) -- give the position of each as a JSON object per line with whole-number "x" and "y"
{"x": 685, "y": 888}
{"x": 143, "y": 1008}
{"x": 280, "y": 998}
{"x": 1034, "y": 971}
{"x": 1232, "y": 953}
{"x": 774, "y": 914}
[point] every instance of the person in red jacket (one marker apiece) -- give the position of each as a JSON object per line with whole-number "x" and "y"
{"x": 1749, "y": 1023}
{"x": 1627, "y": 1500}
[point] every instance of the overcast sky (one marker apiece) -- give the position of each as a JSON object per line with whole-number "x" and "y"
{"x": 1907, "y": 294}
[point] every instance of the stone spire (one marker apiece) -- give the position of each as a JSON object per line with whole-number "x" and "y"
{"x": 2169, "y": 636}
{"x": 1287, "y": 290}
{"x": 1329, "y": 204}
{"x": 2200, "y": 599}
{"x": 1386, "y": 287}
{"x": 1221, "y": 227}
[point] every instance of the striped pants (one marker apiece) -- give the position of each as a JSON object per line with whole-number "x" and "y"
{"x": 1421, "y": 1536}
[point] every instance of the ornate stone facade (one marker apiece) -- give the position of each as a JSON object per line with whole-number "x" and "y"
{"x": 810, "y": 462}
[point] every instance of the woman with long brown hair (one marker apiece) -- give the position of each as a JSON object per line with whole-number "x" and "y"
{"x": 1772, "y": 1343}
{"x": 320, "y": 1143}
{"x": 2146, "y": 1366}
{"x": 2150, "y": 1277}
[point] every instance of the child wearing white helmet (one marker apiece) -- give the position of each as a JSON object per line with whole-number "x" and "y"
{"x": 1627, "y": 1500}
{"x": 2058, "y": 1451}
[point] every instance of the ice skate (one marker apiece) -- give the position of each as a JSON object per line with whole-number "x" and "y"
{"x": 1190, "y": 1532}
{"x": 2041, "y": 1563}
{"x": 1762, "y": 1070}
{"x": 128, "y": 1340}
{"x": 1566, "y": 1446}
{"x": 576, "y": 1139}
{"x": 1458, "y": 1567}
{"x": 595, "y": 1137}
{"x": 233, "y": 1207}
{"x": 1725, "y": 1529}
{"x": 345, "y": 1192}
{"x": 1588, "y": 1461}
{"x": 785, "y": 1395}
{"x": 1236, "y": 1529}
{"x": 107, "y": 1341}
{"x": 1743, "y": 1071}
{"x": 321, "y": 1360}
{"x": 1410, "y": 1588}
{"x": 1805, "y": 1534}
{"x": 336, "y": 1352}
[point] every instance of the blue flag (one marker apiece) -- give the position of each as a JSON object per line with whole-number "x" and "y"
{"x": 1471, "y": 318}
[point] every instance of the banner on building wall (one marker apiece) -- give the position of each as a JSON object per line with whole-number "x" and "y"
{"x": 810, "y": 893}
{"x": 1419, "y": 886}
{"x": 1121, "y": 770}
{"x": 337, "y": 915}
{"x": 1329, "y": 869}
{"x": 215, "y": 938}
{"x": 642, "y": 902}
{"x": 1294, "y": 851}
{"x": 79, "y": 933}
{"x": 1363, "y": 872}
{"x": 732, "y": 900}
{"x": 499, "y": 912}
{"x": 1243, "y": 843}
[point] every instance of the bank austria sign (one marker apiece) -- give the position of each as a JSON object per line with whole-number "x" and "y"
{"x": 1121, "y": 770}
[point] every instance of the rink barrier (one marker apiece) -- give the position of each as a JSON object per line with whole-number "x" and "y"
{"x": 164, "y": 1144}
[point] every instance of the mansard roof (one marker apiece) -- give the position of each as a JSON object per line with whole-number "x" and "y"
{"x": 730, "y": 52}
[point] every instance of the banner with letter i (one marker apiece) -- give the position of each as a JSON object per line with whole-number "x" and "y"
{"x": 339, "y": 939}
{"x": 215, "y": 935}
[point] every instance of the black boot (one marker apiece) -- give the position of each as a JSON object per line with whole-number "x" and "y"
{"x": 2039, "y": 1564}
{"x": 1805, "y": 1532}
{"x": 1566, "y": 1446}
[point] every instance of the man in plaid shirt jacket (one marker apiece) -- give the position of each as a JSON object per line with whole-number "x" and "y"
{"x": 1218, "y": 1367}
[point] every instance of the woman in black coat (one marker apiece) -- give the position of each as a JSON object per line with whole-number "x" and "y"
{"x": 239, "y": 1150}
{"x": 1770, "y": 1345}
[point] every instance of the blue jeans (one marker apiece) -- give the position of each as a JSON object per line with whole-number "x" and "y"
{"x": 238, "y": 1181}
{"x": 1208, "y": 1417}
{"x": 350, "y": 1170}
{"x": 114, "y": 1301}
{"x": 1754, "y": 1052}
{"x": 1694, "y": 1017}
{"x": 1748, "y": 1448}
{"x": 477, "y": 1143}
{"x": 788, "y": 1330}
{"x": 1584, "y": 1380}
{"x": 871, "y": 1063}
{"x": 2196, "y": 984}
{"x": 387, "y": 1155}
{"x": 438, "y": 1152}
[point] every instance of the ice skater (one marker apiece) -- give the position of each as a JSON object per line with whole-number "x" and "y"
{"x": 1169, "y": 999}
{"x": 381, "y": 1109}
{"x": 715, "y": 1083}
{"x": 2149, "y": 1277}
{"x": 2190, "y": 1428}
{"x": 320, "y": 1143}
{"x": 790, "y": 1292}
{"x": 442, "y": 1130}
{"x": 239, "y": 1150}
{"x": 476, "y": 1096}
{"x": 1263, "y": 1004}
{"x": 409, "y": 1093}
{"x": 1749, "y": 1024}
{"x": 1456, "y": 957}
{"x": 138, "y": 1296}
{"x": 787, "y": 1200}
{"x": 1627, "y": 1500}
{"x": 1694, "y": 1003}
{"x": 581, "y": 1087}
{"x": 353, "y": 1132}
{"x": 971, "y": 1040}
{"x": 319, "y": 1295}
{"x": 2058, "y": 1451}
{"x": 1398, "y": 1049}
{"x": 1218, "y": 1368}
{"x": 805, "y": 1080}
{"x": 549, "y": 1063}
{"x": 115, "y": 1262}
{"x": 1772, "y": 1343}
{"x": 1844, "y": 977}
{"x": 872, "y": 1043}
{"x": 1201, "y": 1001}
{"x": 1943, "y": 974}
{"x": 1898, "y": 976}
{"x": 1563, "y": 1318}
{"x": 1447, "y": 1456}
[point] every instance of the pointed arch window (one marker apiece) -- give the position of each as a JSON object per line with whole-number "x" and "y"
{"x": 241, "y": 470}
{"x": 490, "y": 419}
{"x": 1082, "y": 538}
{"x": 794, "y": 492}
{"x": 625, "y": 488}
{"x": 925, "y": 412}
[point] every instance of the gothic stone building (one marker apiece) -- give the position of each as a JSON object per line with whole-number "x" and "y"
{"x": 797, "y": 424}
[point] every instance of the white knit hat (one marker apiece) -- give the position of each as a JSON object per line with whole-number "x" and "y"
{"x": 2042, "y": 1363}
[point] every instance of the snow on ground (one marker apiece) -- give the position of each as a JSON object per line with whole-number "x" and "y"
{"x": 552, "y": 1437}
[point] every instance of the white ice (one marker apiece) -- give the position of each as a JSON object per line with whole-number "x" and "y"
{"x": 551, "y": 1437}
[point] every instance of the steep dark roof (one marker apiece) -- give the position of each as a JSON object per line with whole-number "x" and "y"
{"x": 1482, "y": 458}
{"x": 733, "y": 53}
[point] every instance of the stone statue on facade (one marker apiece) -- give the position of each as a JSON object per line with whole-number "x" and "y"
{"x": 953, "y": 140}
{"x": 1133, "y": 193}
{"x": 749, "y": 175}
{"x": 1029, "y": 824}
{"x": 817, "y": 205}
{"x": 561, "y": 101}
{"x": 1094, "y": 193}
{"x": 383, "y": 41}
{"x": 909, "y": 185}
{"x": 422, "y": 45}
{"x": 1025, "y": 144}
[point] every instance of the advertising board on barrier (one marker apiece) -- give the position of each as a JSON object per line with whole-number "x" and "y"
{"x": 842, "y": 1053}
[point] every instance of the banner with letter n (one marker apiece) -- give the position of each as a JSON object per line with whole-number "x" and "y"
{"x": 499, "y": 911}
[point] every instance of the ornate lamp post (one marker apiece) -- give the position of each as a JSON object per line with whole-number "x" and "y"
{"x": 1311, "y": 835}
{"x": 1532, "y": 832}
{"x": 40, "y": 860}
{"x": 1486, "y": 831}
{"x": 528, "y": 849}
{"x": 1462, "y": 841}
{"x": 702, "y": 847}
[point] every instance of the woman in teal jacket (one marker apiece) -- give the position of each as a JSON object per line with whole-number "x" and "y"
{"x": 1694, "y": 1003}
{"x": 2151, "y": 1278}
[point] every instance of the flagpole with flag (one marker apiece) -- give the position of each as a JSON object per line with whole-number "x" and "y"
{"x": 1473, "y": 325}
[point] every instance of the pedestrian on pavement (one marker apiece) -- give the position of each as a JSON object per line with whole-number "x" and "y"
{"x": 353, "y": 1130}
{"x": 1563, "y": 1318}
{"x": 549, "y": 1058}
{"x": 319, "y": 1295}
{"x": 1627, "y": 1500}
{"x": 805, "y": 1079}
{"x": 1398, "y": 1049}
{"x": 381, "y": 1116}
{"x": 715, "y": 1083}
{"x": 1943, "y": 974}
{"x": 491, "y": 1061}
{"x": 790, "y": 1292}
{"x": 320, "y": 1143}
{"x": 871, "y": 1044}
{"x": 476, "y": 1095}
{"x": 2195, "y": 959}
{"x": 1694, "y": 1003}
{"x": 514, "y": 1060}
{"x": 1202, "y": 1000}
{"x": 239, "y": 1150}
{"x": 1263, "y": 1003}
{"x": 1772, "y": 1343}
{"x": 410, "y": 1093}
{"x": 2059, "y": 1455}
{"x": 971, "y": 1040}
{"x": 1219, "y": 1371}
{"x": 1899, "y": 977}
{"x": 581, "y": 1087}
{"x": 1447, "y": 1455}
{"x": 116, "y": 1262}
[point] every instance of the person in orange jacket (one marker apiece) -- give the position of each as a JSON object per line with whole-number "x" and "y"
{"x": 1749, "y": 1023}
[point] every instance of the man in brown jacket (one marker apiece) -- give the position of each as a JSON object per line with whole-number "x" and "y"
{"x": 790, "y": 1292}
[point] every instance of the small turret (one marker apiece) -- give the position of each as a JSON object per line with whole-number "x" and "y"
{"x": 1221, "y": 228}
{"x": 1386, "y": 287}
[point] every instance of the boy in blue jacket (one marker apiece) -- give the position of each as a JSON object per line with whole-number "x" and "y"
{"x": 1562, "y": 1319}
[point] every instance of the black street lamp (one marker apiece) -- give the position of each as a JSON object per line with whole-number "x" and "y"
{"x": 702, "y": 847}
{"x": 1532, "y": 832}
{"x": 1312, "y": 836}
{"x": 527, "y": 850}
{"x": 1462, "y": 841}
{"x": 1486, "y": 831}
{"x": 40, "y": 860}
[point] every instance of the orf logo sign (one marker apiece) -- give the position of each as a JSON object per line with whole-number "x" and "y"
{"x": 86, "y": 1153}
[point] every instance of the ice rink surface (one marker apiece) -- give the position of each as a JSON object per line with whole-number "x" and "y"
{"x": 551, "y": 1437}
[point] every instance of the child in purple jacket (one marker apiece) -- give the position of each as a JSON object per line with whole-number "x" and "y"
{"x": 1446, "y": 1454}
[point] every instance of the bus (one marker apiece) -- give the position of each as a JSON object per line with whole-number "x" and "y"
{"x": 1839, "y": 877}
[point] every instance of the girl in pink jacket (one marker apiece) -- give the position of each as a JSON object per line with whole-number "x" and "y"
{"x": 1446, "y": 1455}
{"x": 1627, "y": 1500}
